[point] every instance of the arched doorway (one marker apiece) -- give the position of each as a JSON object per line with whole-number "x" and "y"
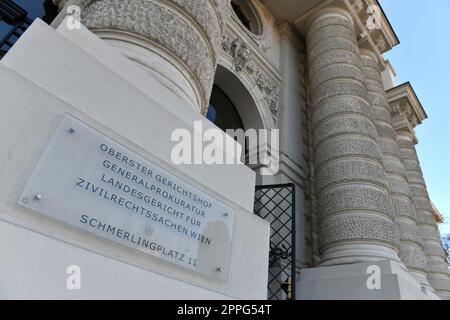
{"x": 232, "y": 106}
{"x": 233, "y": 100}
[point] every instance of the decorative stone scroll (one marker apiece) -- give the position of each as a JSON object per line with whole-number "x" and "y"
{"x": 244, "y": 62}
{"x": 370, "y": 16}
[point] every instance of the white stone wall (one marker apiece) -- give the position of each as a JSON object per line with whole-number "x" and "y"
{"x": 91, "y": 80}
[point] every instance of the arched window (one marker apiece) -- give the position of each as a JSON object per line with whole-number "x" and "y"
{"x": 248, "y": 15}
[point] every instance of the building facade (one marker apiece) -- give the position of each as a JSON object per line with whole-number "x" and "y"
{"x": 314, "y": 70}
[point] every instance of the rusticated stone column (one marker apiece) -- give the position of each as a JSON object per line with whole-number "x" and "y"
{"x": 177, "y": 40}
{"x": 438, "y": 269}
{"x": 411, "y": 245}
{"x": 356, "y": 222}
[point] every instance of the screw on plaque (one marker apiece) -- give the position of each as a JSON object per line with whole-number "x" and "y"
{"x": 226, "y": 214}
{"x": 38, "y": 196}
{"x": 71, "y": 130}
{"x": 219, "y": 269}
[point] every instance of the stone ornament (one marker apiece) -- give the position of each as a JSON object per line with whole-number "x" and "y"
{"x": 238, "y": 50}
{"x": 369, "y": 14}
{"x": 243, "y": 62}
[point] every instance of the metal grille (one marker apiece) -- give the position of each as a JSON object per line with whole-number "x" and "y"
{"x": 276, "y": 204}
{"x": 18, "y": 22}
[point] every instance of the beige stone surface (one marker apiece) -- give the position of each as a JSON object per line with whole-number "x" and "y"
{"x": 356, "y": 222}
{"x": 411, "y": 244}
{"x": 315, "y": 72}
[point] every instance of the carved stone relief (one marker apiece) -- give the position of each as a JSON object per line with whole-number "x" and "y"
{"x": 244, "y": 62}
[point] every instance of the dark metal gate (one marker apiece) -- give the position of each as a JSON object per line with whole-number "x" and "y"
{"x": 276, "y": 204}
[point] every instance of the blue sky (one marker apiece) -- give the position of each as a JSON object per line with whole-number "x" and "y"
{"x": 35, "y": 8}
{"x": 423, "y": 58}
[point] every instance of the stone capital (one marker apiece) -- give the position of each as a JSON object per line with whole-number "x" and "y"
{"x": 405, "y": 108}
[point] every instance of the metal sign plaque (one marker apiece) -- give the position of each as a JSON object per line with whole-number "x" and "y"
{"x": 91, "y": 182}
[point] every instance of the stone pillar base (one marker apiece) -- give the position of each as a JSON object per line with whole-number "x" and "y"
{"x": 349, "y": 282}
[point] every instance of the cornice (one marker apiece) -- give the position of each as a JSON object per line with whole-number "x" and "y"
{"x": 378, "y": 39}
{"x": 383, "y": 37}
{"x": 405, "y": 107}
